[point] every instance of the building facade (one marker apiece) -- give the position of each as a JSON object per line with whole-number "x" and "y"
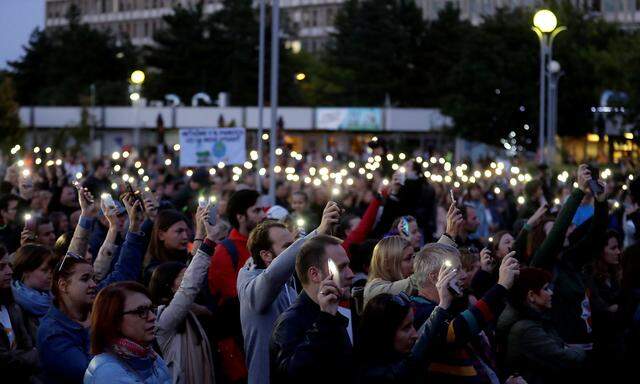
{"x": 311, "y": 21}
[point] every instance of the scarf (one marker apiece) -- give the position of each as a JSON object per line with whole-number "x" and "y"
{"x": 126, "y": 348}
{"x": 31, "y": 300}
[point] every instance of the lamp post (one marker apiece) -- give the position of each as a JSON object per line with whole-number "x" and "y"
{"x": 137, "y": 79}
{"x": 275, "y": 65}
{"x": 554, "y": 72}
{"x": 545, "y": 25}
{"x": 261, "y": 53}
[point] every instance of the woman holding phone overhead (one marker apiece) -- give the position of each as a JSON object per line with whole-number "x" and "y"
{"x": 63, "y": 336}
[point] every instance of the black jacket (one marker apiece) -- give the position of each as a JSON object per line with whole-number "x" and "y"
{"x": 399, "y": 368}
{"x": 310, "y": 346}
{"x": 18, "y": 364}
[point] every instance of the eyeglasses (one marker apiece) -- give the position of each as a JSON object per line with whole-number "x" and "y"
{"x": 142, "y": 312}
{"x": 67, "y": 255}
{"x": 401, "y": 299}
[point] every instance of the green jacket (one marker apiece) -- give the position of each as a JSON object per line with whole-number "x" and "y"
{"x": 534, "y": 349}
{"x": 572, "y": 296}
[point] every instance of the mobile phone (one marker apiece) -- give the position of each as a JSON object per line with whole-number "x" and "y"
{"x": 454, "y": 288}
{"x": 402, "y": 177}
{"x": 213, "y": 214}
{"x": 453, "y": 198}
{"x": 595, "y": 188}
{"x": 333, "y": 270}
{"x": 108, "y": 201}
{"x": 135, "y": 194}
{"x": 405, "y": 227}
{"x": 29, "y": 222}
{"x": 202, "y": 202}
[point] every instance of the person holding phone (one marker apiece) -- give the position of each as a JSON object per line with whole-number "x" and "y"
{"x": 180, "y": 335}
{"x": 266, "y": 286}
{"x": 311, "y": 340}
{"x": 63, "y": 335}
{"x": 390, "y": 350}
{"x": 456, "y": 360}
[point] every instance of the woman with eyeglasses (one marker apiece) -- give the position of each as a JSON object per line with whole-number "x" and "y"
{"x": 122, "y": 333}
{"x": 63, "y": 336}
{"x": 174, "y": 288}
{"x": 389, "y": 348}
{"x": 532, "y": 345}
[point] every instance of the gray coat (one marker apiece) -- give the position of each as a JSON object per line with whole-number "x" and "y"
{"x": 264, "y": 294}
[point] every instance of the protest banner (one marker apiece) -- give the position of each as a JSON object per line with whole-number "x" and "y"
{"x": 204, "y": 147}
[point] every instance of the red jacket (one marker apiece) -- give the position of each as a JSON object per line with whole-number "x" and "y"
{"x": 359, "y": 234}
{"x": 222, "y": 276}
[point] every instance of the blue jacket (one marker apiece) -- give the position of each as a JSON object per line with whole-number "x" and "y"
{"x": 107, "y": 368}
{"x": 63, "y": 343}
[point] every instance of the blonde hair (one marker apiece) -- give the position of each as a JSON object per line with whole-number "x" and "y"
{"x": 387, "y": 258}
{"x": 430, "y": 258}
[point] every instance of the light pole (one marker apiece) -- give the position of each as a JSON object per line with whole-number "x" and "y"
{"x": 275, "y": 65}
{"x": 137, "y": 79}
{"x": 553, "y": 75}
{"x": 261, "y": 94}
{"x": 544, "y": 25}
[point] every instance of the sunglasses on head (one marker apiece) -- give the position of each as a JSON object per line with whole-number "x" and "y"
{"x": 69, "y": 255}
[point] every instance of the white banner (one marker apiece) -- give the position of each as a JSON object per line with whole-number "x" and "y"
{"x": 204, "y": 147}
{"x": 349, "y": 119}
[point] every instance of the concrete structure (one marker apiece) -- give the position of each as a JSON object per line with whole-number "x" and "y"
{"x": 311, "y": 21}
{"x": 117, "y": 126}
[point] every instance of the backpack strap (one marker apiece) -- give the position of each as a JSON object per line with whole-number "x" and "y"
{"x": 233, "y": 252}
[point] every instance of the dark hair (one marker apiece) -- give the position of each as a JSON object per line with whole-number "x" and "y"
{"x": 396, "y": 222}
{"x": 493, "y": 245}
{"x": 259, "y": 240}
{"x": 30, "y": 257}
{"x": 469, "y": 256}
{"x": 634, "y": 190}
{"x": 63, "y": 270}
{"x": 312, "y": 255}
{"x": 99, "y": 162}
{"x": 42, "y": 220}
{"x": 162, "y": 281}
{"x": 6, "y": 199}
{"x": 602, "y": 270}
{"x": 380, "y": 321}
{"x": 344, "y": 225}
{"x": 239, "y": 203}
{"x": 301, "y": 193}
{"x": 62, "y": 244}
{"x": 166, "y": 218}
{"x": 56, "y": 218}
{"x": 361, "y": 255}
{"x": 106, "y": 315}
{"x": 530, "y": 279}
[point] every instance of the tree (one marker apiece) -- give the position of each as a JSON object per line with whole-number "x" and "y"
{"x": 60, "y": 65}
{"x": 219, "y": 52}
{"x": 492, "y": 89}
{"x": 374, "y": 53}
{"x": 12, "y": 130}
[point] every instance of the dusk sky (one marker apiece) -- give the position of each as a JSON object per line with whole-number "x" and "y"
{"x": 18, "y": 18}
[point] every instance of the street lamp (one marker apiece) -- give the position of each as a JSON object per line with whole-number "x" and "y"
{"x": 545, "y": 25}
{"x": 135, "y": 94}
{"x": 137, "y": 77}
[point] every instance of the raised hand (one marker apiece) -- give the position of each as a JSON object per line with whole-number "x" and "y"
{"x": 329, "y": 296}
{"x": 110, "y": 214}
{"x": 583, "y": 176}
{"x": 486, "y": 260}
{"x": 134, "y": 210}
{"x": 445, "y": 276}
{"x": 454, "y": 221}
{"x": 88, "y": 205}
{"x": 509, "y": 269}
{"x": 539, "y": 213}
{"x": 330, "y": 218}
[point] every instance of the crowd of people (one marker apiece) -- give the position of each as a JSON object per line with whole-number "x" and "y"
{"x": 132, "y": 269}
